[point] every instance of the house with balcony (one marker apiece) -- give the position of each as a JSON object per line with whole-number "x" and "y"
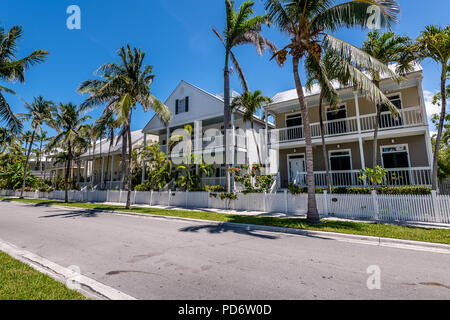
{"x": 203, "y": 111}
{"x": 404, "y": 146}
{"x": 103, "y": 164}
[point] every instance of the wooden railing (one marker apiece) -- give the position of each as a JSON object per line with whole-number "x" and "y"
{"x": 408, "y": 117}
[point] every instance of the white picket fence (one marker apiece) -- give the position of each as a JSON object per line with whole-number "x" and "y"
{"x": 434, "y": 208}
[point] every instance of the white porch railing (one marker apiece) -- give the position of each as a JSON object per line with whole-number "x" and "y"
{"x": 408, "y": 117}
{"x": 394, "y": 178}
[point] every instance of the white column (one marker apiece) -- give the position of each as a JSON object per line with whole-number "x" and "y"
{"x": 167, "y": 140}
{"x": 266, "y": 141}
{"x": 143, "y": 160}
{"x": 358, "y": 123}
{"x": 85, "y": 170}
{"x": 111, "y": 174}
{"x": 102, "y": 179}
{"x": 425, "y": 120}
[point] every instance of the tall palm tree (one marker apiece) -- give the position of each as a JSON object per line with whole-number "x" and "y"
{"x": 68, "y": 123}
{"x": 241, "y": 28}
{"x": 13, "y": 69}
{"x": 39, "y": 112}
{"x": 306, "y": 23}
{"x": 42, "y": 138}
{"x": 251, "y": 103}
{"x": 123, "y": 88}
{"x": 434, "y": 43}
{"x": 388, "y": 48}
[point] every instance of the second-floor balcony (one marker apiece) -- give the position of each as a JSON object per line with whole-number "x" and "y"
{"x": 216, "y": 142}
{"x": 408, "y": 117}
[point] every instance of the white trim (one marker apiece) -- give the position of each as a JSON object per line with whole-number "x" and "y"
{"x": 341, "y": 150}
{"x": 292, "y": 114}
{"x": 394, "y": 146}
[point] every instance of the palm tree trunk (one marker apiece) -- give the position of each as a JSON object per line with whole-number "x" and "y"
{"x": 324, "y": 146}
{"x": 124, "y": 161}
{"x": 66, "y": 178}
{"x": 313, "y": 214}
{"x": 440, "y": 130}
{"x": 26, "y": 164}
{"x": 130, "y": 163}
{"x": 375, "y": 141}
{"x": 227, "y": 117}
{"x": 40, "y": 153}
{"x": 79, "y": 173}
{"x": 93, "y": 165}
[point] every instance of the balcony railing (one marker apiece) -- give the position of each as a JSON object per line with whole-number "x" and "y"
{"x": 394, "y": 178}
{"x": 407, "y": 118}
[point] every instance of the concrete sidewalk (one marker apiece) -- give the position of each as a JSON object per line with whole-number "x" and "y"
{"x": 427, "y": 225}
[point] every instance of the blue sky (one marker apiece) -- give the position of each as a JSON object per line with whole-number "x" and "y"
{"x": 177, "y": 37}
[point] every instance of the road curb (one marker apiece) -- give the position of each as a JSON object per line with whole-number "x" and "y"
{"x": 371, "y": 240}
{"x": 88, "y": 287}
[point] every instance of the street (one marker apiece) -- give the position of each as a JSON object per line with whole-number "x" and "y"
{"x": 159, "y": 258}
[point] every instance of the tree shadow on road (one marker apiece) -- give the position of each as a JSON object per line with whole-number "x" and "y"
{"x": 73, "y": 214}
{"x": 224, "y": 228}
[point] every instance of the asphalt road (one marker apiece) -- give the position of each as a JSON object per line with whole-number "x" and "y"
{"x": 157, "y": 258}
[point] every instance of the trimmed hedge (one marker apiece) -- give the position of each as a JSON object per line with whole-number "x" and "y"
{"x": 367, "y": 190}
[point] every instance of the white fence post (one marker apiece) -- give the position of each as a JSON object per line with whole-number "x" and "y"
{"x": 325, "y": 203}
{"x": 265, "y": 201}
{"x": 437, "y": 212}
{"x": 151, "y": 197}
{"x": 209, "y": 197}
{"x": 286, "y": 202}
{"x": 168, "y": 198}
{"x": 375, "y": 204}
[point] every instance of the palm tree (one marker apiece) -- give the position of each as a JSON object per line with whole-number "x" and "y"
{"x": 108, "y": 125}
{"x": 42, "y": 138}
{"x": 387, "y": 48}
{"x": 68, "y": 123}
{"x": 434, "y": 43}
{"x": 306, "y": 23}
{"x": 6, "y": 139}
{"x": 12, "y": 70}
{"x": 39, "y": 112}
{"x": 251, "y": 103}
{"x": 241, "y": 28}
{"x": 91, "y": 132}
{"x": 125, "y": 86}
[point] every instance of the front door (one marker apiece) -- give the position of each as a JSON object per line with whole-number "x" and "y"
{"x": 297, "y": 170}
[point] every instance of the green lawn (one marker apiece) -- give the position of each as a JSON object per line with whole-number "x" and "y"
{"x": 19, "y": 281}
{"x": 359, "y": 228}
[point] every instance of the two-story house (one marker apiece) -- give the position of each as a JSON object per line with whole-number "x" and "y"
{"x": 203, "y": 111}
{"x": 404, "y": 146}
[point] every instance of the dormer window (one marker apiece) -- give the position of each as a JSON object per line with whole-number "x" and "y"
{"x": 182, "y": 105}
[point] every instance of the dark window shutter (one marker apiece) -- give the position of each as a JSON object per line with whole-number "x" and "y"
{"x": 176, "y": 106}
{"x": 187, "y": 104}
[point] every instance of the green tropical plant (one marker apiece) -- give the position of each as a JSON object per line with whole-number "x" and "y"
{"x": 434, "y": 43}
{"x": 13, "y": 69}
{"x": 68, "y": 123}
{"x": 39, "y": 112}
{"x": 306, "y": 23}
{"x": 242, "y": 27}
{"x": 124, "y": 87}
{"x": 251, "y": 103}
{"x": 376, "y": 175}
{"x": 160, "y": 173}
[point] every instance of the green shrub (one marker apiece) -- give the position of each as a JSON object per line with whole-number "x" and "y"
{"x": 217, "y": 188}
{"x": 294, "y": 189}
{"x": 143, "y": 187}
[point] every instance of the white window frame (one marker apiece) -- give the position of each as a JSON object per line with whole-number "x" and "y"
{"x": 341, "y": 150}
{"x": 395, "y": 146}
{"x": 328, "y": 109}
{"x": 388, "y": 95}
{"x": 291, "y": 114}
{"x": 289, "y": 158}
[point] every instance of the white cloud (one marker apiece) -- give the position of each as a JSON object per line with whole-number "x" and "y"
{"x": 431, "y": 109}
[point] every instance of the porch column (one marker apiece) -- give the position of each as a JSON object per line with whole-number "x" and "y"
{"x": 143, "y": 160}
{"x": 85, "y": 170}
{"x": 167, "y": 140}
{"x": 266, "y": 140}
{"x": 198, "y": 144}
{"x": 425, "y": 121}
{"x": 102, "y": 179}
{"x": 111, "y": 172}
{"x": 358, "y": 123}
